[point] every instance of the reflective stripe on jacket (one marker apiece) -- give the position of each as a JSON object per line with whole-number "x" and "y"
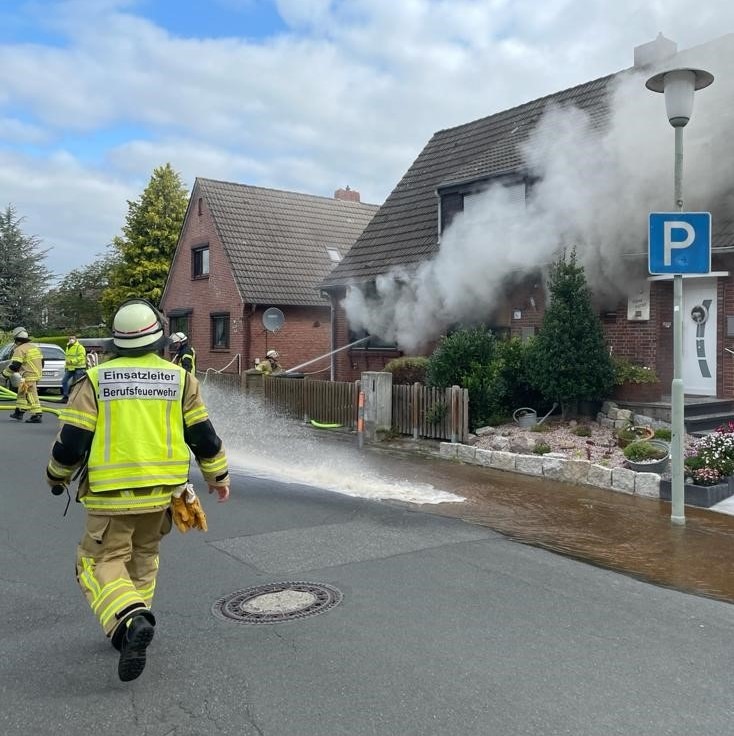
{"x": 30, "y": 357}
{"x": 76, "y": 357}
{"x": 138, "y": 432}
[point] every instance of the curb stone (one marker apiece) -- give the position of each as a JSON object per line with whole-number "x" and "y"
{"x": 576, "y": 472}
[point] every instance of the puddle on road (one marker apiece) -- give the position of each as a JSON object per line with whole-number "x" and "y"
{"x": 624, "y": 533}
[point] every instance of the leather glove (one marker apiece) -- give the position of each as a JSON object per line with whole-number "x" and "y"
{"x": 186, "y": 510}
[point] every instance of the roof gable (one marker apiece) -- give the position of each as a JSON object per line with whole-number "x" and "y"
{"x": 277, "y": 241}
{"x": 405, "y": 230}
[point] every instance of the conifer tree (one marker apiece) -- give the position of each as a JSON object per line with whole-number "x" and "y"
{"x": 23, "y": 274}
{"x": 144, "y": 251}
{"x": 569, "y": 359}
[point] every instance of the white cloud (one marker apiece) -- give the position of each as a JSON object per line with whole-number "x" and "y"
{"x": 349, "y": 95}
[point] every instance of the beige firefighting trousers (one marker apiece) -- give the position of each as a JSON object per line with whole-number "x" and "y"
{"x": 28, "y": 400}
{"x": 117, "y": 562}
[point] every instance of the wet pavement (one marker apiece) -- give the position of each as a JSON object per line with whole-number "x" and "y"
{"x": 624, "y": 533}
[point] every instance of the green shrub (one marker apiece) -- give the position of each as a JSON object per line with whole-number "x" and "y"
{"x": 408, "y": 370}
{"x": 642, "y": 450}
{"x": 466, "y": 358}
{"x": 437, "y": 413}
{"x": 541, "y": 448}
{"x": 568, "y": 360}
{"x": 663, "y": 434}
{"x": 625, "y": 371}
{"x": 540, "y": 428}
{"x": 581, "y": 431}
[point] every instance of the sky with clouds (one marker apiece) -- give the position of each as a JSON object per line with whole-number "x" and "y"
{"x": 304, "y": 95}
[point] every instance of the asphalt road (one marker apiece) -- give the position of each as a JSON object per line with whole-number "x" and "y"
{"x": 444, "y": 627}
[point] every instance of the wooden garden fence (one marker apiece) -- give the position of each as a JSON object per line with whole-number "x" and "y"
{"x": 417, "y": 411}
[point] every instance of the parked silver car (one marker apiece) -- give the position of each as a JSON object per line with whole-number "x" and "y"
{"x": 53, "y": 365}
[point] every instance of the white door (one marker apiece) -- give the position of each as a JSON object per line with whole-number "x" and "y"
{"x": 699, "y": 336}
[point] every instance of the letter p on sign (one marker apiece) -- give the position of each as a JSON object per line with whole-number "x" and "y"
{"x": 669, "y": 245}
{"x": 679, "y": 242}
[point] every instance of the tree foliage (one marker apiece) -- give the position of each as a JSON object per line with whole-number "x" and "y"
{"x": 75, "y": 305}
{"x": 142, "y": 254}
{"x": 24, "y": 276}
{"x": 569, "y": 359}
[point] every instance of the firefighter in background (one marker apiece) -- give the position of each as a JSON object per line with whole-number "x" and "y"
{"x": 270, "y": 366}
{"x": 74, "y": 366}
{"x": 131, "y": 423}
{"x": 24, "y": 371}
{"x": 185, "y": 354}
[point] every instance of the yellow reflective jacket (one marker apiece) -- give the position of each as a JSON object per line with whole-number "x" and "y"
{"x": 30, "y": 357}
{"x": 76, "y": 357}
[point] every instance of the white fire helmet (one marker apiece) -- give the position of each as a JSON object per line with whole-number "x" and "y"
{"x": 137, "y": 326}
{"x": 272, "y": 354}
{"x": 20, "y": 333}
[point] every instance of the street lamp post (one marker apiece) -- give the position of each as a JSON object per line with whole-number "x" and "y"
{"x": 679, "y": 86}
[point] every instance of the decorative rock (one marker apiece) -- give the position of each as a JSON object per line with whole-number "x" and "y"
{"x": 641, "y": 420}
{"x": 522, "y": 444}
{"x": 619, "y": 423}
{"x": 483, "y": 431}
{"x": 607, "y": 407}
{"x": 503, "y": 460}
{"x": 647, "y": 484}
{"x": 531, "y": 464}
{"x": 466, "y": 454}
{"x": 607, "y": 423}
{"x": 500, "y": 443}
{"x": 624, "y": 414}
{"x": 623, "y": 480}
{"x": 484, "y": 457}
{"x": 599, "y": 476}
{"x": 612, "y": 413}
{"x": 471, "y": 439}
{"x": 448, "y": 450}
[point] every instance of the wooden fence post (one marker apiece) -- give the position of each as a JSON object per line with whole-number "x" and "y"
{"x": 416, "y": 410}
{"x": 455, "y": 395}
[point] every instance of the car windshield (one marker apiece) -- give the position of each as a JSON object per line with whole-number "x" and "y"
{"x": 52, "y": 352}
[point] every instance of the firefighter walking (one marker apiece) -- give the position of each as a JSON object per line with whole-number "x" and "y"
{"x": 130, "y": 425}
{"x": 24, "y": 371}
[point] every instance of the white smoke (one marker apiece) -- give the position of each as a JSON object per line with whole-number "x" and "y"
{"x": 593, "y": 190}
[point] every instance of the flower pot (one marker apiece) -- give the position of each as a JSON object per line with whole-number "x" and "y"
{"x": 702, "y": 496}
{"x": 641, "y": 433}
{"x": 651, "y": 466}
{"x": 638, "y": 392}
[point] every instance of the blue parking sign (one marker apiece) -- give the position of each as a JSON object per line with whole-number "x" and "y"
{"x": 679, "y": 242}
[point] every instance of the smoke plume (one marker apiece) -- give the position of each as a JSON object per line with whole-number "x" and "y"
{"x": 593, "y": 190}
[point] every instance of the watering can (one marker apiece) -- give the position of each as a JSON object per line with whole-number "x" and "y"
{"x": 525, "y": 417}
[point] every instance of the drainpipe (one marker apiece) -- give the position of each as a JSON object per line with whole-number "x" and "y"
{"x": 247, "y": 339}
{"x": 332, "y": 346}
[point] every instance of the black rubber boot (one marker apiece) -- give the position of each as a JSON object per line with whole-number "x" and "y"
{"x": 34, "y": 419}
{"x": 139, "y": 630}
{"x": 17, "y": 414}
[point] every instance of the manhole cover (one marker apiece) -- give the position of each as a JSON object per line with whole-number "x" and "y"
{"x": 276, "y": 602}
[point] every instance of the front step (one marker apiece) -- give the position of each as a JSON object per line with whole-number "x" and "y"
{"x": 700, "y": 424}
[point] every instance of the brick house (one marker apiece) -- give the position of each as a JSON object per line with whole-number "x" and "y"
{"x": 244, "y": 249}
{"x": 458, "y": 164}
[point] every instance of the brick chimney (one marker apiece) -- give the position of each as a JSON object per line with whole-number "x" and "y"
{"x": 655, "y": 51}
{"x": 347, "y": 195}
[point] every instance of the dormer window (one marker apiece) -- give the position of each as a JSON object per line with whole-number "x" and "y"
{"x": 473, "y": 199}
{"x": 334, "y": 255}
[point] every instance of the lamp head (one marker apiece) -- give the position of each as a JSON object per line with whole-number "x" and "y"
{"x": 678, "y": 85}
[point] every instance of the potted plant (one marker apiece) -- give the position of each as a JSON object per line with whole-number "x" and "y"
{"x": 647, "y": 456}
{"x": 634, "y": 382}
{"x": 632, "y": 433}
